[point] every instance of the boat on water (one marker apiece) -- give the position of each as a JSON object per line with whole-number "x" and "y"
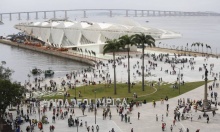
{"x": 36, "y": 71}
{"x": 48, "y": 73}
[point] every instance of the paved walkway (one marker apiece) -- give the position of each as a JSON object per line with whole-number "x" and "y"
{"x": 147, "y": 120}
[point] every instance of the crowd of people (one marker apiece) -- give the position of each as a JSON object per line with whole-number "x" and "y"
{"x": 102, "y": 73}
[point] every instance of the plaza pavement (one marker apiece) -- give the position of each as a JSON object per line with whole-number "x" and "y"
{"x": 147, "y": 120}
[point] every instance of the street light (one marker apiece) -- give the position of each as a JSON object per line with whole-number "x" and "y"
{"x": 75, "y": 89}
{"x": 95, "y": 107}
{"x": 77, "y": 124}
{"x": 205, "y": 101}
{"x": 179, "y": 79}
{"x": 39, "y": 110}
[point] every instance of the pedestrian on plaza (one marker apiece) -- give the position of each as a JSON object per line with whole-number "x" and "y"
{"x": 167, "y": 113}
{"x": 156, "y": 117}
{"x": 162, "y": 118}
{"x": 213, "y": 113}
{"x": 174, "y": 122}
{"x": 73, "y": 113}
{"x": 86, "y": 123}
{"x": 207, "y": 119}
{"x": 171, "y": 128}
{"x": 88, "y": 128}
{"x": 53, "y": 119}
{"x": 122, "y": 116}
{"x": 110, "y": 116}
{"x": 167, "y": 107}
{"x": 178, "y": 116}
{"x": 163, "y": 126}
{"x": 187, "y": 129}
{"x": 138, "y": 115}
{"x": 132, "y": 130}
{"x": 92, "y": 129}
{"x": 128, "y": 118}
{"x": 97, "y": 128}
{"x": 154, "y": 104}
{"x": 103, "y": 115}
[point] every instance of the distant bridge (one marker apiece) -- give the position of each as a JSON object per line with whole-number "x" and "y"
{"x": 108, "y": 12}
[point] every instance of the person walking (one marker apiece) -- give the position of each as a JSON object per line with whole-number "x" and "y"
{"x": 174, "y": 121}
{"x": 97, "y": 128}
{"x": 122, "y": 116}
{"x": 138, "y": 115}
{"x": 167, "y": 113}
{"x": 171, "y": 128}
{"x": 207, "y": 119}
{"x": 128, "y": 119}
{"x": 132, "y": 130}
{"x": 156, "y": 117}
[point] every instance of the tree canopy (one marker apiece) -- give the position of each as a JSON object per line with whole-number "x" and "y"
{"x": 11, "y": 92}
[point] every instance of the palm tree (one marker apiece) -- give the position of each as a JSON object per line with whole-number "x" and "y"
{"x": 193, "y": 44}
{"x": 142, "y": 39}
{"x": 112, "y": 46}
{"x": 127, "y": 41}
{"x": 159, "y": 44}
{"x": 89, "y": 53}
{"x": 94, "y": 54}
{"x": 198, "y": 45}
{"x": 187, "y": 46}
{"x": 81, "y": 51}
{"x": 209, "y": 47}
{"x": 206, "y": 48}
{"x": 202, "y": 46}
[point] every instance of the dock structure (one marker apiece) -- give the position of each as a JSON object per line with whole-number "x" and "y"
{"x": 110, "y": 13}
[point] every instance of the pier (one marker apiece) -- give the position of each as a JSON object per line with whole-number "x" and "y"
{"x": 65, "y": 55}
{"x": 107, "y": 12}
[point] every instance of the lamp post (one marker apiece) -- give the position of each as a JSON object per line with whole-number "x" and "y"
{"x": 158, "y": 84}
{"x": 77, "y": 123}
{"x": 39, "y": 110}
{"x": 205, "y": 101}
{"x": 75, "y": 89}
{"x": 95, "y": 107}
{"x": 179, "y": 79}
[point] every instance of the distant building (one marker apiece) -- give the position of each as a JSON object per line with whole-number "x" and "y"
{"x": 90, "y": 35}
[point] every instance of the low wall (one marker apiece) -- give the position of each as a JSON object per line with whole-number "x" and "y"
{"x": 50, "y": 52}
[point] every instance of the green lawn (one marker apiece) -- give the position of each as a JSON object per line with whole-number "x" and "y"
{"x": 122, "y": 91}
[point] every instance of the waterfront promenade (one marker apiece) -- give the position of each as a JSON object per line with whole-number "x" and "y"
{"x": 147, "y": 121}
{"x": 43, "y": 49}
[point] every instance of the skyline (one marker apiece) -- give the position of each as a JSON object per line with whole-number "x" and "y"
{"x": 167, "y": 5}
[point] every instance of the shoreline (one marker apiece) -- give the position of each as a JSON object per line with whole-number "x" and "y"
{"x": 65, "y": 55}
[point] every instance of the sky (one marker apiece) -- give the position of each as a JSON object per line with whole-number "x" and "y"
{"x": 168, "y": 5}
